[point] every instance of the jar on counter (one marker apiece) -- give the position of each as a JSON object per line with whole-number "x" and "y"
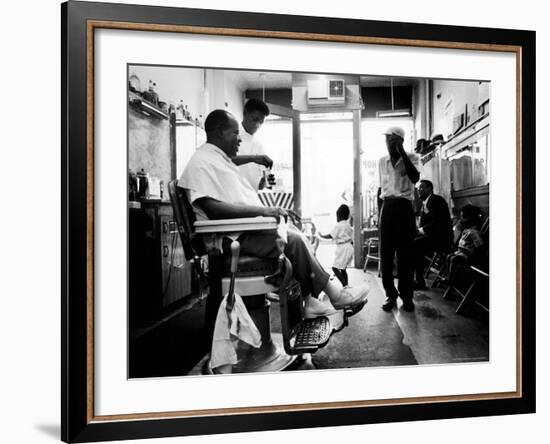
{"x": 132, "y": 186}
{"x": 143, "y": 184}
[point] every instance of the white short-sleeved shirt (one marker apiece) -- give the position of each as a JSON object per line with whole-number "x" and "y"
{"x": 393, "y": 180}
{"x": 250, "y": 145}
{"x": 211, "y": 173}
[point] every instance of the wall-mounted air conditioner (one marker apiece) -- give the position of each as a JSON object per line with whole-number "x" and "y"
{"x": 323, "y": 92}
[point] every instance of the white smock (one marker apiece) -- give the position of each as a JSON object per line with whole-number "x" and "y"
{"x": 251, "y": 146}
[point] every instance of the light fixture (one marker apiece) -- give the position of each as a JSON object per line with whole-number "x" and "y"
{"x": 262, "y": 76}
{"x": 394, "y": 112}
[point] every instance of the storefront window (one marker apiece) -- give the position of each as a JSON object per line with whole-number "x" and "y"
{"x": 327, "y": 168}
{"x": 276, "y": 137}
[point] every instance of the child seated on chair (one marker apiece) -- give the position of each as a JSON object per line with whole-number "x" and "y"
{"x": 342, "y": 233}
{"x": 469, "y": 243}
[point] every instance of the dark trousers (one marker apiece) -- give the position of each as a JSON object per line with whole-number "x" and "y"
{"x": 306, "y": 269}
{"x": 397, "y": 230}
{"x": 423, "y": 246}
{"x": 342, "y": 275}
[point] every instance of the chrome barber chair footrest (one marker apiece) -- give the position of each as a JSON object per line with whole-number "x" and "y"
{"x": 312, "y": 335}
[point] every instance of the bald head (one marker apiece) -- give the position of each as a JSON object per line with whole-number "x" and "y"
{"x": 222, "y": 130}
{"x": 219, "y": 118}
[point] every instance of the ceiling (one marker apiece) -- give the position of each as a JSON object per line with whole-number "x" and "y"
{"x": 274, "y": 80}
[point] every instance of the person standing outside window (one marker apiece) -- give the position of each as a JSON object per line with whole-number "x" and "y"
{"x": 254, "y": 113}
{"x": 398, "y": 173}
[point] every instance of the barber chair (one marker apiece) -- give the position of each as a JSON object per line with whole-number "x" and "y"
{"x": 255, "y": 278}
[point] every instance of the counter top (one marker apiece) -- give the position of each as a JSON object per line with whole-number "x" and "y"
{"x": 136, "y": 205}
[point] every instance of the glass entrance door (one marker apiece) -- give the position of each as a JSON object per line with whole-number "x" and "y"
{"x": 327, "y": 166}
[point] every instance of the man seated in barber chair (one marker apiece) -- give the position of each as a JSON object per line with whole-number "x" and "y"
{"x": 217, "y": 190}
{"x": 435, "y": 231}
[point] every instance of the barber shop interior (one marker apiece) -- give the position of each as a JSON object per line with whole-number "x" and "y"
{"x": 294, "y": 221}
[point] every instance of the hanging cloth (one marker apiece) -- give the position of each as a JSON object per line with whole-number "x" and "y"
{"x": 232, "y": 325}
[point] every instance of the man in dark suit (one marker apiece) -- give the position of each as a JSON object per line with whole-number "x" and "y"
{"x": 435, "y": 231}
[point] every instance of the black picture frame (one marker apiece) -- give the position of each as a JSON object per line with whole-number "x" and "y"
{"x": 78, "y": 423}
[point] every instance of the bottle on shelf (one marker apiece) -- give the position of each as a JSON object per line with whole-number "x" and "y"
{"x": 180, "y": 114}
{"x": 154, "y": 95}
{"x": 148, "y": 94}
{"x": 142, "y": 184}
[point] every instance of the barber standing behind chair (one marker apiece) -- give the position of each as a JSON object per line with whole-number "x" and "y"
{"x": 435, "y": 231}
{"x": 254, "y": 113}
{"x": 398, "y": 173}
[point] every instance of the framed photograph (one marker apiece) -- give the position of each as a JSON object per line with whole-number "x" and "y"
{"x": 275, "y": 221}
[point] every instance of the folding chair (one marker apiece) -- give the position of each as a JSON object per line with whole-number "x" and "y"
{"x": 373, "y": 252}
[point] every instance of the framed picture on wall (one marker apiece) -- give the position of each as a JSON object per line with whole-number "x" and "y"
{"x": 166, "y": 331}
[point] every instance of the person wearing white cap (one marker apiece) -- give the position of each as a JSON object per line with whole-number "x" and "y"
{"x": 398, "y": 172}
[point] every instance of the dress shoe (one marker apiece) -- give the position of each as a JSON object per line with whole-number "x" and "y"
{"x": 350, "y": 297}
{"x": 316, "y": 307}
{"x": 389, "y": 305}
{"x": 408, "y": 305}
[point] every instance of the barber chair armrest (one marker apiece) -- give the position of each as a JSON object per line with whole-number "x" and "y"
{"x": 235, "y": 225}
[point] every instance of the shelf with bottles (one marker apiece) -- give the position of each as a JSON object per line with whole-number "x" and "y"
{"x": 475, "y": 130}
{"x": 184, "y": 122}
{"x": 146, "y": 107}
{"x": 187, "y": 122}
{"x": 184, "y": 117}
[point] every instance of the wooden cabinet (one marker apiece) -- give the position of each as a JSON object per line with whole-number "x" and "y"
{"x": 159, "y": 275}
{"x": 176, "y": 276}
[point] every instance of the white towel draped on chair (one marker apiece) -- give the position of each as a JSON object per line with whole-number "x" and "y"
{"x": 230, "y": 328}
